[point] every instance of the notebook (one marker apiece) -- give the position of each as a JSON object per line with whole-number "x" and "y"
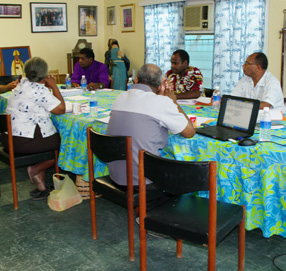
{"x": 237, "y": 118}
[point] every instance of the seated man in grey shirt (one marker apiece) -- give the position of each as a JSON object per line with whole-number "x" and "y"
{"x": 146, "y": 112}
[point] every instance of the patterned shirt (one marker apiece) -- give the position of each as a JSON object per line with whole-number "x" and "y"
{"x": 30, "y": 104}
{"x": 190, "y": 81}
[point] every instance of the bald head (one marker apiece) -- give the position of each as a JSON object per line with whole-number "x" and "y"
{"x": 150, "y": 74}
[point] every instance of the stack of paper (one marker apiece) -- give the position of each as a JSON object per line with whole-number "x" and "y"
{"x": 71, "y": 92}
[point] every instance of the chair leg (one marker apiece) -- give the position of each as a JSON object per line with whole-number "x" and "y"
{"x": 56, "y": 161}
{"x": 131, "y": 229}
{"x": 179, "y": 248}
{"x": 14, "y": 187}
{"x": 241, "y": 243}
{"x": 93, "y": 212}
{"x": 143, "y": 244}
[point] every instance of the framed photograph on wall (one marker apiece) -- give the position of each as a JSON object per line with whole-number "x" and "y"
{"x": 127, "y": 18}
{"x": 13, "y": 59}
{"x": 87, "y": 20}
{"x": 48, "y": 17}
{"x": 111, "y": 19}
{"x": 10, "y": 11}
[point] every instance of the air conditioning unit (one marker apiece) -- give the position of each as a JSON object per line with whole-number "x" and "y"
{"x": 199, "y": 18}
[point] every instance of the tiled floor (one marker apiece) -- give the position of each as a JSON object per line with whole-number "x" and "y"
{"x": 37, "y": 238}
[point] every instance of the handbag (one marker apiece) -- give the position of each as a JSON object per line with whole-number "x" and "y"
{"x": 65, "y": 194}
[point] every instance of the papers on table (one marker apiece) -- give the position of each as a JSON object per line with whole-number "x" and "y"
{"x": 71, "y": 92}
{"x": 104, "y": 120}
{"x": 201, "y": 120}
{"x": 204, "y": 100}
{"x": 78, "y": 98}
{"x": 274, "y": 125}
{"x": 105, "y": 89}
{"x": 275, "y": 114}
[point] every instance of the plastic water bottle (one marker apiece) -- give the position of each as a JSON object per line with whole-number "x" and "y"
{"x": 83, "y": 83}
{"x": 216, "y": 98}
{"x": 202, "y": 90}
{"x": 265, "y": 125}
{"x": 92, "y": 104}
{"x": 130, "y": 83}
{"x": 68, "y": 81}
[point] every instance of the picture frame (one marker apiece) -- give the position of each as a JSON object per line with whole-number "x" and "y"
{"x": 87, "y": 20}
{"x": 10, "y": 11}
{"x": 48, "y": 17}
{"x": 12, "y": 59}
{"x": 127, "y": 18}
{"x": 111, "y": 16}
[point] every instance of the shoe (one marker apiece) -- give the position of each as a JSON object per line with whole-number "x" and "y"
{"x": 43, "y": 194}
{"x": 37, "y": 192}
{"x": 137, "y": 220}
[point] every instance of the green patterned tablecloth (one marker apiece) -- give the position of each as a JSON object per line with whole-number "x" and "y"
{"x": 254, "y": 176}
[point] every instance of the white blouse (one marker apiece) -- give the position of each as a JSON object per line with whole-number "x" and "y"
{"x": 30, "y": 104}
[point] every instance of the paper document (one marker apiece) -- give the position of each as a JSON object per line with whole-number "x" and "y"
{"x": 105, "y": 89}
{"x": 204, "y": 100}
{"x": 68, "y": 106}
{"x": 78, "y": 98}
{"x": 201, "y": 120}
{"x": 104, "y": 120}
{"x": 187, "y": 101}
{"x": 71, "y": 92}
{"x": 275, "y": 114}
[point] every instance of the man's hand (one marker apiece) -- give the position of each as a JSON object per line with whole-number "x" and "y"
{"x": 166, "y": 89}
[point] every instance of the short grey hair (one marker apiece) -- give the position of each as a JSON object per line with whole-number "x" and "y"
{"x": 36, "y": 69}
{"x": 150, "y": 74}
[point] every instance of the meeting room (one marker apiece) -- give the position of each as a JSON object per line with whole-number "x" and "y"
{"x": 143, "y": 135}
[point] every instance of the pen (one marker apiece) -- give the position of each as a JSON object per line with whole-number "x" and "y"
{"x": 199, "y": 107}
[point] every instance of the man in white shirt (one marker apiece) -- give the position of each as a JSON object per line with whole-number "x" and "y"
{"x": 259, "y": 84}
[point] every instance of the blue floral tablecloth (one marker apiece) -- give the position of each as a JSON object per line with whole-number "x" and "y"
{"x": 253, "y": 176}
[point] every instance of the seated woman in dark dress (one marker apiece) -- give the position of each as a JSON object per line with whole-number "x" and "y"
{"x": 30, "y": 106}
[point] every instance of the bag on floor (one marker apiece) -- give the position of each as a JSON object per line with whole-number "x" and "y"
{"x": 65, "y": 194}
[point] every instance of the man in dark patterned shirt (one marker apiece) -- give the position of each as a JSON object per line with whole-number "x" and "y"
{"x": 185, "y": 79}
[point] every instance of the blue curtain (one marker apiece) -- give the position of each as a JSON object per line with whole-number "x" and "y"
{"x": 164, "y": 32}
{"x": 239, "y": 31}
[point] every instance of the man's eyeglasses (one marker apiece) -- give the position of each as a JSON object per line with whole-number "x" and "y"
{"x": 248, "y": 63}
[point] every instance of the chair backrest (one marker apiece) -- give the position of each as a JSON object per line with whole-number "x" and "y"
{"x": 55, "y": 74}
{"x": 108, "y": 148}
{"x": 175, "y": 177}
{"x": 6, "y": 79}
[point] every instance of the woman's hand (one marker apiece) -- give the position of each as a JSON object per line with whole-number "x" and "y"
{"x": 50, "y": 81}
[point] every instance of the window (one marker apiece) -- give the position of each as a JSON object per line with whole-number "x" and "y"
{"x": 200, "y": 49}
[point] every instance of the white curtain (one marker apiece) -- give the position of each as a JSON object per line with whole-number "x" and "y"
{"x": 164, "y": 32}
{"x": 239, "y": 31}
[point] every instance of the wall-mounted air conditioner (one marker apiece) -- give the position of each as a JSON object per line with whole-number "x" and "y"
{"x": 199, "y": 18}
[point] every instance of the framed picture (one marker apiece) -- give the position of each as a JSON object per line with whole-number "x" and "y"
{"x": 12, "y": 59}
{"x": 48, "y": 17}
{"x": 127, "y": 18}
{"x": 87, "y": 20}
{"x": 10, "y": 11}
{"x": 111, "y": 15}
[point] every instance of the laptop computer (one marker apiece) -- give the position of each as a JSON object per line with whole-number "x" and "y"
{"x": 237, "y": 118}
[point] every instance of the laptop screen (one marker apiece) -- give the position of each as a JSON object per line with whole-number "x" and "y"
{"x": 237, "y": 114}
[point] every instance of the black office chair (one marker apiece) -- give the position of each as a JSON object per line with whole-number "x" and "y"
{"x": 185, "y": 216}
{"x": 109, "y": 148}
{"x": 6, "y": 79}
{"x": 15, "y": 160}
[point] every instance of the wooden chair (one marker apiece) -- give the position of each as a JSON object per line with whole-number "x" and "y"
{"x": 55, "y": 74}
{"x": 185, "y": 216}
{"x": 109, "y": 148}
{"x": 6, "y": 79}
{"x": 15, "y": 160}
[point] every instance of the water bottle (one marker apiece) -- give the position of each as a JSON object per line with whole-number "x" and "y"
{"x": 202, "y": 90}
{"x": 130, "y": 83}
{"x": 92, "y": 104}
{"x": 216, "y": 98}
{"x": 68, "y": 81}
{"x": 265, "y": 125}
{"x": 83, "y": 83}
